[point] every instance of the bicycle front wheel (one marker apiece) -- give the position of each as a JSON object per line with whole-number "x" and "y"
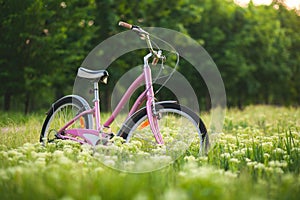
{"x": 61, "y": 112}
{"x": 181, "y": 129}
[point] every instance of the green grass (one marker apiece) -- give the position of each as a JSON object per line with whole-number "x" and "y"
{"x": 257, "y": 157}
{"x": 17, "y": 129}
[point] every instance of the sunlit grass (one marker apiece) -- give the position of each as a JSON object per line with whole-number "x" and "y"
{"x": 257, "y": 157}
{"x": 17, "y": 129}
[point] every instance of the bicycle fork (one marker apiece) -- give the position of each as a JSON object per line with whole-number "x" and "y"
{"x": 150, "y": 104}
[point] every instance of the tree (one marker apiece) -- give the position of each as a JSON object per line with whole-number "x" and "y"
{"x": 290, "y": 22}
{"x": 44, "y": 44}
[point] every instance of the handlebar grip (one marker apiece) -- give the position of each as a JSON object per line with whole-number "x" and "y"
{"x": 126, "y": 25}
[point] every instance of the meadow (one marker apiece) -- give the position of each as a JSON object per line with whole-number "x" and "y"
{"x": 256, "y": 157}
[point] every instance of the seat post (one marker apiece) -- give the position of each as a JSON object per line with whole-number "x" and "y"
{"x": 97, "y": 106}
{"x": 96, "y": 91}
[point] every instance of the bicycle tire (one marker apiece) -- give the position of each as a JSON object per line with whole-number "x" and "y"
{"x": 77, "y": 104}
{"x": 131, "y": 124}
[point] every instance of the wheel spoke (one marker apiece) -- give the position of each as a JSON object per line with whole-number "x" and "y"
{"x": 178, "y": 130}
{"x": 62, "y": 112}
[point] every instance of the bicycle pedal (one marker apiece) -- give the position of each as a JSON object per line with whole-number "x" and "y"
{"x": 104, "y": 138}
{"x": 111, "y": 135}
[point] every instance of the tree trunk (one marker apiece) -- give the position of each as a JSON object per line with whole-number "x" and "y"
{"x": 240, "y": 103}
{"x": 27, "y": 103}
{"x": 7, "y": 101}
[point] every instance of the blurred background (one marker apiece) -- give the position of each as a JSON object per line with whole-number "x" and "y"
{"x": 256, "y": 46}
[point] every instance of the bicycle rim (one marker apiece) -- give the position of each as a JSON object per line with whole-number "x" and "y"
{"x": 178, "y": 129}
{"x": 60, "y": 116}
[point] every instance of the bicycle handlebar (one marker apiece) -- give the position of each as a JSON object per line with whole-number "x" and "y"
{"x": 125, "y": 25}
{"x": 135, "y": 28}
{"x": 143, "y": 34}
{"x": 157, "y": 54}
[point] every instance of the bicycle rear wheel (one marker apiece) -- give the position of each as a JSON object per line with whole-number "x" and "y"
{"x": 61, "y": 112}
{"x": 181, "y": 129}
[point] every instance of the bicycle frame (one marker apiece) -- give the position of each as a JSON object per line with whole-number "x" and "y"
{"x": 92, "y": 136}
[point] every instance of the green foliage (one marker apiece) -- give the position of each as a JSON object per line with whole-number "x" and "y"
{"x": 43, "y": 43}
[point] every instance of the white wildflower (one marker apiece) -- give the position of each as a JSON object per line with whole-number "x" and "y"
{"x": 269, "y": 169}
{"x": 234, "y": 160}
{"x": 238, "y": 153}
{"x": 266, "y": 155}
{"x": 182, "y": 174}
{"x": 203, "y": 159}
{"x": 175, "y": 194}
{"x": 286, "y": 157}
{"x": 40, "y": 162}
{"x": 3, "y": 174}
{"x": 283, "y": 164}
{"x": 190, "y": 158}
{"x": 129, "y": 164}
{"x": 278, "y": 170}
{"x": 273, "y": 163}
{"x": 259, "y": 166}
{"x": 267, "y": 145}
{"x": 98, "y": 169}
{"x": 3, "y": 154}
{"x": 225, "y": 155}
{"x": 230, "y": 174}
{"x": 251, "y": 164}
{"x": 109, "y": 163}
{"x": 58, "y": 153}
{"x": 279, "y": 150}
{"x": 295, "y": 149}
{"x": 277, "y": 163}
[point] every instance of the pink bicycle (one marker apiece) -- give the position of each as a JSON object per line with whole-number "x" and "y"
{"x": 162, "y": 123}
